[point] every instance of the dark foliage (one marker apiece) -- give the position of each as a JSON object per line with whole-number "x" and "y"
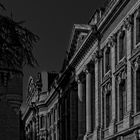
{"x": 16, "y": 44}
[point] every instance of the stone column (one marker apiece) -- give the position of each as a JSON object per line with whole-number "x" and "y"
{"x": 96, "y": 57}
{"x": 128, "y": 27}
{"x": 81, "y": 109}
{"x": 88, "y": 100}
{"x": 128, "y": 22}
{"x": 112, "y": 45}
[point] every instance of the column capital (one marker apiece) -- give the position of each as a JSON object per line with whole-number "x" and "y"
{"x": 97, "y": 55}
{"x": 112, "y": 41}
{"x": 136, "y": 64}
{"x": 80, "y": 78}
{"x": 89, "y": 68}
{"x": 128, "y": 23}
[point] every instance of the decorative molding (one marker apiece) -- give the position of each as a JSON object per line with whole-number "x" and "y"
{"x": 112, "y": 41}
{"x": 128, "y": 22}
{"x": 97, "y": 55}
{"x": 107, "y": 87}
{"x": 122, "y": 63}
{"x": 121, "y": 76}
{"x": 107, "y": 76}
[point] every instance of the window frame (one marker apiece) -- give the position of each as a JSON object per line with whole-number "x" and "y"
{"x": 122, "y": 99}
{"x": 136, "y": 15}
{"x": 121, "y": 34}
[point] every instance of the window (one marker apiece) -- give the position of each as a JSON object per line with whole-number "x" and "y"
{"x": 137, "y": 30}
{"x": 107, "y": 60}
{"x": 42, "y": 122}
{"x": 122, "y": 100}
{"x": 54, "y": 112}
{"x": 50, "y": 119}
{"x": 122, "y": 44}
{"x": 138, "y": 90}
{"x": 108, "y": 108}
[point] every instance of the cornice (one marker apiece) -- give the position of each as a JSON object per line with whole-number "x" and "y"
{"x": 111, "y": 14}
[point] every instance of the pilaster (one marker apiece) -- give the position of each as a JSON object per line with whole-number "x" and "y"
{"x": 81, "y": 107}
{"x": 113, "y": 45}
{"x": 128, "y": 26}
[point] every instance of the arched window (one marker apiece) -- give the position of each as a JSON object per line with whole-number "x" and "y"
{"x": 122, "y": 44}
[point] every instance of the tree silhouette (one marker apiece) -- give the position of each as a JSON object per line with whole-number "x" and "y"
{"x": 16, "y": 44}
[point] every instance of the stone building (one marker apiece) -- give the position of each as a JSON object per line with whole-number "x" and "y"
{"x": 36, "y": 111}
{"x": 97, "y": 91}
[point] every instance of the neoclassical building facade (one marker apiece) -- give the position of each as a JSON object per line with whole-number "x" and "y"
{"x": 96, "y": 94}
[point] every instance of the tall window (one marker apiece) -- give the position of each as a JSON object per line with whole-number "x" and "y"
{"x": 107, "y": 60}
{"x": 138, "y": 90}
{"x": 42, "y": 122}
{"x": 122, "y": 43}
{"x": 122, "y": 99}
{"x": 137, "y": 29}
{"x": 108, "y": 108}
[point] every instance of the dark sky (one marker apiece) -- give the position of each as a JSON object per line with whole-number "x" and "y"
{"x": 52, "y": 21}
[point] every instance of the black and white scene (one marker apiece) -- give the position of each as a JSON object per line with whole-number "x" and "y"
{"x": 70, "y": 70}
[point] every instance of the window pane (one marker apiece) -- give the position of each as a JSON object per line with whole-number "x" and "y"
{"x": 137, "y": 30}
{"x": 138, "y": 91}
{"x": 122, "y": 45}
{"x": 107, "y": 60}
{"x": 108, "y": 108}
{"x": 122, "y": 100}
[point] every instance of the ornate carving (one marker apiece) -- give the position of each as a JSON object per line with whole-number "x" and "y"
{"x": 136, "y": 64}
{"x": 122, "y": 76}
{"x": 97, "y": 55}
{"x": 107, "y": 87}
{"x": 128, "y": 22}
{"x": 80, "y": 78}
{"x": 112, "y": 41}
{"x": 89, "y": 68}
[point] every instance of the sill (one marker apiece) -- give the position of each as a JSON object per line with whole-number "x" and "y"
{"x": 121, "y": 60}
{"x": 119, "y": 122}
{"x": 105, "y": 129}
{"x": 136, "y": 114}
{"x": 107, "y": 73}
{"x": 137, "y": 45}
{"x": 41, "y": 129}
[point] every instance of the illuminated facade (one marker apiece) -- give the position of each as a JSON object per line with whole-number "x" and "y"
{"x": 97, "y": 92}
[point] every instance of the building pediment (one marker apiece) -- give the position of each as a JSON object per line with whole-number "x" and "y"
{"x": 79, "y": 34}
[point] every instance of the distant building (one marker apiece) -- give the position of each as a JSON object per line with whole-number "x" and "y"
{"x": 36, "y": 111}
{"x": 11, "y": 82}
{"x": 97, "y": 91}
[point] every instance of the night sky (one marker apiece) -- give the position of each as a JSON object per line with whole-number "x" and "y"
{"x": 52, "y": 21}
